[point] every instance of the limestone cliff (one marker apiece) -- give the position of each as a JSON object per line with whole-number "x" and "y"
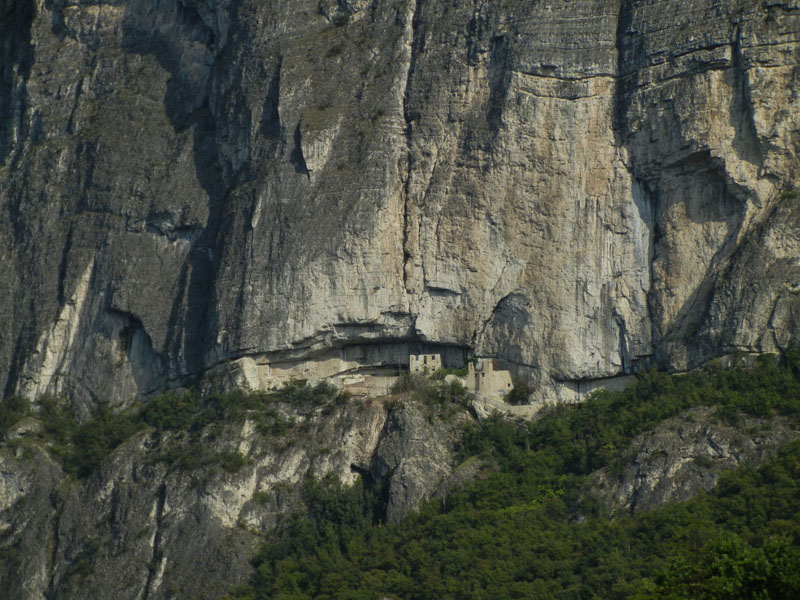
{"x": 155, "y": 522}
{"x": 576, "y": 188}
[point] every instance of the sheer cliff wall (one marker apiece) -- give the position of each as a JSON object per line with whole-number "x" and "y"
{"x": 577, "y": 188}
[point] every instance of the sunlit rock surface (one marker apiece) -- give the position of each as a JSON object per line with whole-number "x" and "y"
{"x": 579, "y": 189}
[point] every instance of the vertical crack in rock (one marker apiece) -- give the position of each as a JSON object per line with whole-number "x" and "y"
{"x": 646, "y": 201}
{"x": 271, "y": 127}
{"x": 70, "y": 127}
{"x": 62, "y": 267}
{"x": 747, "y": 143}
{"x": 480, "y": 331}
{"x": 52, "y": 585}
{"x": 296, "y": 157}
{"x": 155, "y": 568}
{"x": 17, "y": 360}
{"x": 624, "y": 356}
{"x": 499, "y": 74}
{"x": 413, "y": 50}
{"x": 204, "y": 258}
{"x": 16, "y": 61}
{"x": 43, "y": 370}
{"x": 771, "y": 322}
{"x": 651, "y": 205}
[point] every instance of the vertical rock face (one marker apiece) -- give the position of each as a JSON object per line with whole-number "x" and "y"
{"x": 711, "y": 122}
{"x": 579, "y": 189}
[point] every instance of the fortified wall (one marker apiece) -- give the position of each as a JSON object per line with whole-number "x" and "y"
{"x": 364, "y": 369}
{"x": 486, "y": 379}
{"x": 367, "y": 370}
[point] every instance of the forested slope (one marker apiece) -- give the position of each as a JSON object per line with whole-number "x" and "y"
{"x": 534, "y": 524}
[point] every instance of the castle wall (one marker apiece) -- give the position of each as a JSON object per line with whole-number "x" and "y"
{"x": 364, "y": 371}
{"x": 424, "y": 363}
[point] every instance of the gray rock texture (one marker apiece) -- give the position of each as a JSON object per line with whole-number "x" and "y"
{"x": 147, "y": 526}
{"x": 414, "y": 457}
{"x": 686, "y": 455}
{"x": 577, "y": 188}
{"x": 162, "y": 518}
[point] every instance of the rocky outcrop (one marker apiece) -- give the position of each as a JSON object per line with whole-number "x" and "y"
{"x": 578, "y": 189}
{"x": 158, "y": 521}
{"x": 414, "y": 458}
{"x": 181, "y": 514}
{"x": 684, "y": 456}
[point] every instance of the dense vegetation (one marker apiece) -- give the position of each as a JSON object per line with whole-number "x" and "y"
{"x": 525, "y": 528}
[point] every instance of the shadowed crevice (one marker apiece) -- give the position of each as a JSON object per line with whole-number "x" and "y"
{"x": 16, "y": 59}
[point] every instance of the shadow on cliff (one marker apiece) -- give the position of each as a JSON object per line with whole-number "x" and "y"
{"x": 16, "y": 59}
{"x": 179, "y": 48}
{"x": 687, "y": 182}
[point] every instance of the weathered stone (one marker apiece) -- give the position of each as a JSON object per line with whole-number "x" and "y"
{"x": 686, "y": 455}
{"x": 145, "y": 527}
{"x": 414, "y": 458}
{"x": 579, "y": 189}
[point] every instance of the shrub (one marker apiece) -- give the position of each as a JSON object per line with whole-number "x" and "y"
{"x": 440, "y": 374}
{"x": 92, "y": 442}
{"x": 298, "y": 393}
{"x": 340, "y": 19}
{"x": 409, "y": 383}
{"x": 175, "y": 410}
{"x": 12, "y": 410}
{"x": 186, "y": 456}
{"x": 232, "y": 462}
{"x": 261, "y": 497}
{"x": 703, "y": 461}
{"x": 520, "y": 393}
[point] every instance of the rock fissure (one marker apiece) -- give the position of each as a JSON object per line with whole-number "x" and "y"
{"x": 53, "y": 564}
{"x": 151, "y": 583}
{"x": 751, "y": 146}
{"x": 412, "y": 27}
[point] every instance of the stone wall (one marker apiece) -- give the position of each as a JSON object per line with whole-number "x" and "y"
{"x": 424, "y": 363}
{"x": 485, "y": 379}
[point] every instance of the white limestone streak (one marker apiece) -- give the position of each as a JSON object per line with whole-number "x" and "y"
{"x": 42, "y": 371}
